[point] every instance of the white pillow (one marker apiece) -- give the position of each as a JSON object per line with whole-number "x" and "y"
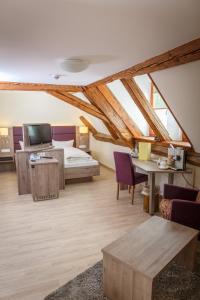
{"x": 62, "y": 144}
{"x": 71, "y": 152}
{"x": 21, "y": 143}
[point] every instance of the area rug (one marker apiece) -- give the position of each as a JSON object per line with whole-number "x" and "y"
{"x": 175, "y": 283}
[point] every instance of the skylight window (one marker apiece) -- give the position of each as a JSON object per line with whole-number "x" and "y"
{"x": 81, "y": 96}
{"x": 98, "y": 124}
{"x": 120, "y": 92}
{"x": 157, "y": 102}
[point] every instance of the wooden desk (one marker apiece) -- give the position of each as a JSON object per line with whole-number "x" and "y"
{"x": 151, "y": 169}
{"x": 132, "y": 263}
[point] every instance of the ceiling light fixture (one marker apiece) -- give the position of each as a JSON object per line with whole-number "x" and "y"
{"x": 58, "y": 76}
{"x": 74, "y": 65}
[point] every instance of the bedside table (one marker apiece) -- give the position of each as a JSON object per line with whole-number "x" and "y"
{"x": 89, "y": 152}
{"x": 6, "y": 149}
{"x": 44, "y": 175}
{"x": 85, "y": 150}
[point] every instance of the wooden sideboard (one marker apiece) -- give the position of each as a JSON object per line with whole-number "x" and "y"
{"x": 44, "y": 174}
{"x": 23, "y": 172}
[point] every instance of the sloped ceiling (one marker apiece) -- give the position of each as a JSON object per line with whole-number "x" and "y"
{"x": 114, "y": 35}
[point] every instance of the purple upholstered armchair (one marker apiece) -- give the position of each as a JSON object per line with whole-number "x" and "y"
{"x": 180, "y": 205}
{"x": 125, "y": 172}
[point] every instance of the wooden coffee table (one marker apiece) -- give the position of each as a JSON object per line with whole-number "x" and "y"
{"x": 132, "y": 263}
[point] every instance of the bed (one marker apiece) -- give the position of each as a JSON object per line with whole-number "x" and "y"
{"x": 78, "y": 165}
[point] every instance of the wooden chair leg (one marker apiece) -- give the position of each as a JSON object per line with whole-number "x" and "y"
{"x": 129, "y": 189}
{"x": 118, "y": 187}
{"x": 132, "y": 194}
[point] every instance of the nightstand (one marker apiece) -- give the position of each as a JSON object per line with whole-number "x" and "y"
{"x": 44, "y": 175}
{"x": 89, "y": 152}
{"x": 86, "y": 150}
{"x": 6, "y": 149}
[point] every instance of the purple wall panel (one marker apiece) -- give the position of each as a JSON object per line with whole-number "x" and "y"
{"x": 17, "y": 136}
{"x": 59, "y": 133}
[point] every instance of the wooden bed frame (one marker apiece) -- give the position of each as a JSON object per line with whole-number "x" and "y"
{"x": 86, "y": 172}
{"x": 64, "y": 133}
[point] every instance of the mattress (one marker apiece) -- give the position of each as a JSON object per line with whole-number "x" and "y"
{"x": 83, "y": 163}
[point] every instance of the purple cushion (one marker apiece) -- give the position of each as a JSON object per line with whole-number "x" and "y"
{"x": 178, "y": 192}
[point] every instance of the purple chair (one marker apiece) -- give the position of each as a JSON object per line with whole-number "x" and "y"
{"x": 125, "y": 172}
{"x": 182, "y": 205}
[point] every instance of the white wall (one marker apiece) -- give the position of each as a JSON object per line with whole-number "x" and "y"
{"x": 104, "y": 151}
{"x": 18, "y": 107}
{"x": 26, "y": 107}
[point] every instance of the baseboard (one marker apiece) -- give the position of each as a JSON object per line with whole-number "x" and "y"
{"x": 79, "y": 180}
{"x": 7, "y": 167}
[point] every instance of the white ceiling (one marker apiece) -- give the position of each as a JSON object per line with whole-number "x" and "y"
{"x": 36, "y": 35}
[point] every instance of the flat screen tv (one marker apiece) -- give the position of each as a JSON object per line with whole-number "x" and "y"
{"x": 39, "y": 134}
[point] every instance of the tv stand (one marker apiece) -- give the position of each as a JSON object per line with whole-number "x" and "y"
{"x": 39, "y": 148}
{"x": 23, "y": 169}
{"x": 44, "y": 179}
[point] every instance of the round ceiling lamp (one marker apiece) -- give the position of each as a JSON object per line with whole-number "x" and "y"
{"x": 74, "y": 65}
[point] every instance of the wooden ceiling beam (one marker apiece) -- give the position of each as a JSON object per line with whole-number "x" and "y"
{"x": 107, "y": 138}
{"x": 94, "y": 131}
{"x": 77, "y": 100}
{"x": 177, "y": 56}
{"x": 101, "y": 102}
{"x": 78, "y": 103}
{"x": 111, "y": 128}
{"x": 101, "y": 136}
{"x": 89, "y": 108}
{"x": 104, "y": 119}
{"x": 152, "y": 140}
{"x": 112, "y": 100}
{"x": 180, "y": 55}
{"x": 20, "y": 86}
{"x": 146, "y": 109}
{"x": 88, "y": 124}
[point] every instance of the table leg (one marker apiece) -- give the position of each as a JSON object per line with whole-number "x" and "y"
{"x": 187, "y": 257}
{"x": 171, "y": 178}
{"x": 152, "y": 193}
{"x": 121, "y": 282}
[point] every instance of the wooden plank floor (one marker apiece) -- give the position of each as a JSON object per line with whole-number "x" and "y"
{"x": 45, "y": 244}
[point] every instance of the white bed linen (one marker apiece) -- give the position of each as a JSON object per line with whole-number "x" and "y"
{"x": 74, "y": 157}
{"x": 80, "y": 163}
{"x": 75, "y": 154}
